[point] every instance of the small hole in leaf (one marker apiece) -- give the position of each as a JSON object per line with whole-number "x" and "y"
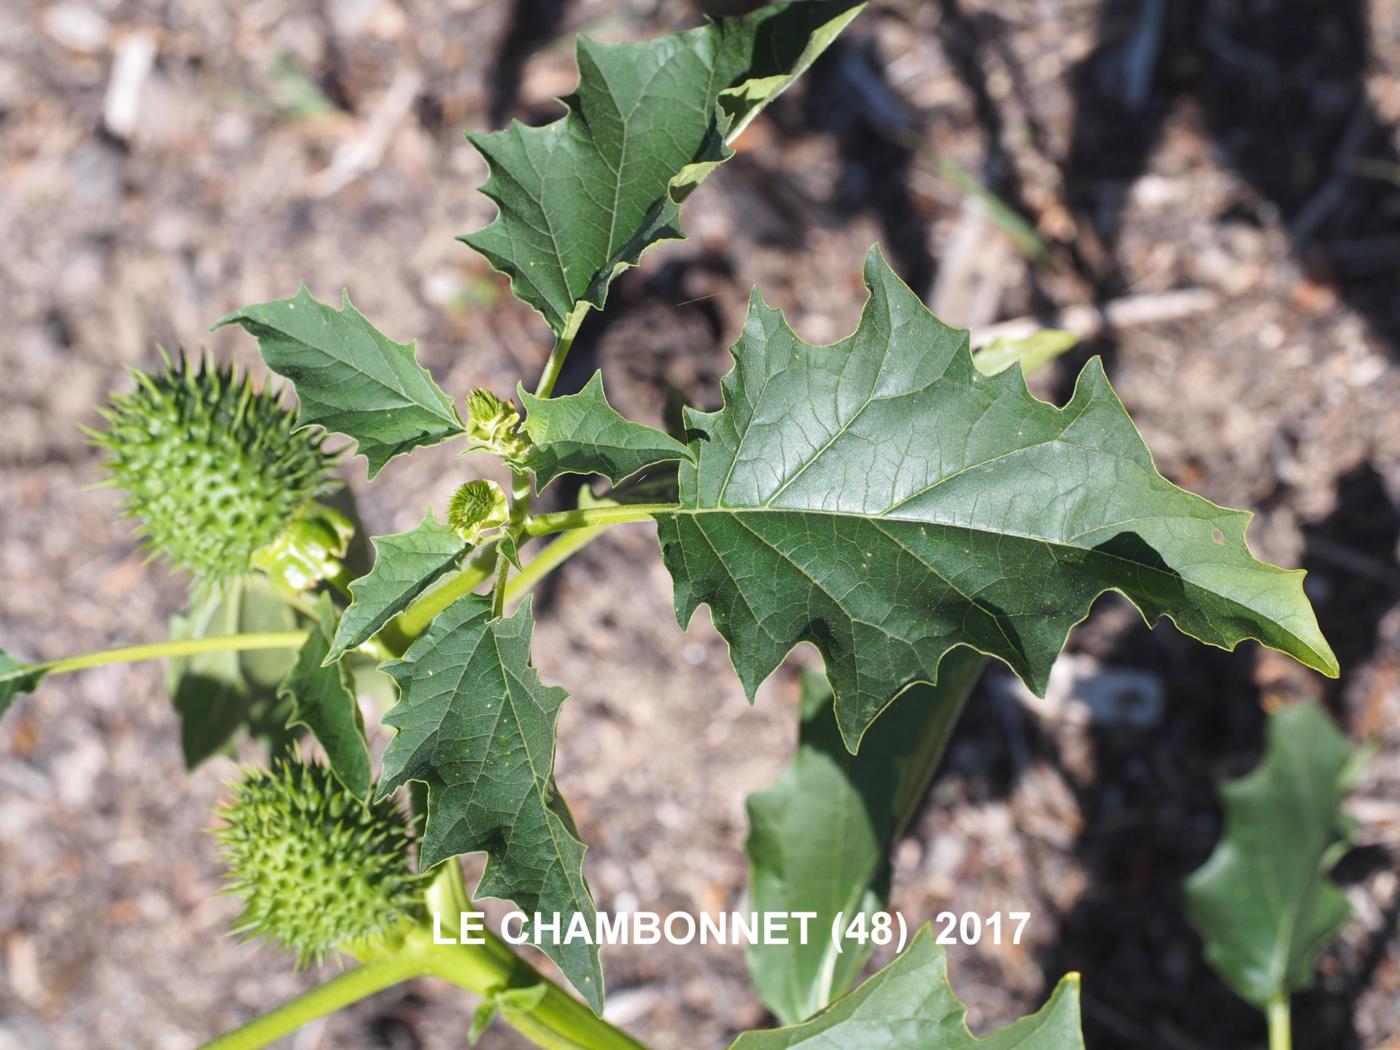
{"x": 1217, "y": 536}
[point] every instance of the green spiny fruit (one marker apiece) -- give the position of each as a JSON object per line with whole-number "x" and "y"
{"x": 317, "y": 868}
{"x": 213, "y": 469}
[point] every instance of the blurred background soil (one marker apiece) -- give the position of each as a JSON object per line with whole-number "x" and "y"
{"x": 1208, "y": 192}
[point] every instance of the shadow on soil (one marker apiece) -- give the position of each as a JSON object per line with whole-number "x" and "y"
{"x": 1279, "y": 86}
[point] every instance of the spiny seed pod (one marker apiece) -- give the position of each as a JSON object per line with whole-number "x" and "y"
{"x": 476, "y": 507}
{"x": 317, "y": 868}
{"x": 213, "y": 470}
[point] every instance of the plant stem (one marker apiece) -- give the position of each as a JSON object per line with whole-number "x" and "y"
{"x": 557, "y": 1022}
{"x": 1280, "y": 1023}
{"x": 183, "y": 647}
{"x": 522, "y": 492}
{"x": 549, "y": 559}
{"x": 498, "y": 592}
{"x": 335, "y": 994}
{"x": 589, "y": 517}
{"x": 584, "y": 526}
{"x": 555, "y": 364}
{"x": 957, "y": 677}
{"x": 414, "y": 620}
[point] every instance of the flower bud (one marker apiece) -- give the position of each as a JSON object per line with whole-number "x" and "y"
{"x": 476, "y": 507}
{"x": 492, "y": 426}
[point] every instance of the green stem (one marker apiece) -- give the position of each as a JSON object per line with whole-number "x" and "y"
{"x": 957, "y": 677}
{"x": 590, "y": 517}
{"x": 522, "y": 494}
{"x": 555, "y": 364}
{"x": 1280, "y": 1023}
{"x": 341, "y": 581}
{"x": 557, "y": 1022}
{"x": 498, "y": 592}
{"x": 414, "y": 620}
{"x": 583, "y": 525}
{"x": 183, "y": 647}
{"x": 335, "y": 994}
{"x": 550, "y": 559}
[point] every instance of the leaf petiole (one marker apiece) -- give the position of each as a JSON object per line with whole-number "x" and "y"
{"x": 414, "y": 620}
{"x": 337, "y": 993}
{"x": 584, "y": 525}
{"x": 176, "y": 647}
{"x": 592, "y": 517}
{"x": 557, "y": 356}
{"x": 1280, "y": 1023}
{"x": 498, "y": 592}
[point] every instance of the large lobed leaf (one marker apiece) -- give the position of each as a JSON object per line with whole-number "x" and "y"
{"x": 909, "y": 1005}
{"x": 820, "y": 835}
{"x": 1263, "y": 902}
{"x": 476, "y": 725}
{"x": 884, "y": 500}
{"x": 583, "y": 434}
{"x": 350, "y": 378}
{"x": 583, "y": 197}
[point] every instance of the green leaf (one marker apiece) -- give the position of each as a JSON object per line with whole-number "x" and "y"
{"x": 350, "y": 377}
{"x": 218, "y": 693}
{"x": 1263, "y": 902}
{"x": 323, "y": 700}
{"x": 583, "y": 434}
{"x": 476, "y": 725}
{"x": 405, "y": 565}
{"x": 885, "y": 501}
{"x": 580, "y": 199}
{"x": 820, "y": 836}
{"x": 909, "y": 1005}
{"x": 510, "y": 1003}
{"x": 16, "y": 679}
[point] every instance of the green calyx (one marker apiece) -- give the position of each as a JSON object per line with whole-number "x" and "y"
{"x": 318, "y": 870}
{"x": 476, "y": 507}
{"x": 493, "y": 426}
{"x": 213, "y": 469}
{"x": 311, "y": 549}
